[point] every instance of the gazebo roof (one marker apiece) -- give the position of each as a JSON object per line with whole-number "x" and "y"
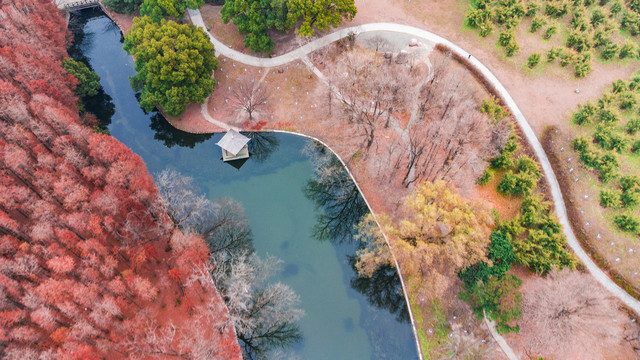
{"x": 233, "y": 141}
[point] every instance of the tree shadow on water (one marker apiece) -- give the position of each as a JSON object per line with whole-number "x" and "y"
{"x": 170, "y": 136}
{"x": 335, "y": 193}
{"x": 382, "y": 289}
{"x": 262, "y": 145}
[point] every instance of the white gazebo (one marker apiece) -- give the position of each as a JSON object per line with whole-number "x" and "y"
{"x": 234, "y": 146}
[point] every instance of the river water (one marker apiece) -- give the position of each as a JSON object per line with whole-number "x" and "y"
{"x": 347, "y": 317}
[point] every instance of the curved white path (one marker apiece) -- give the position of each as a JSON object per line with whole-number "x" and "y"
{"x": 556, "y": 194}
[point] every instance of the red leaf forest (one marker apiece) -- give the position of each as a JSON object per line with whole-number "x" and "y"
{"x": 91, "y": 266}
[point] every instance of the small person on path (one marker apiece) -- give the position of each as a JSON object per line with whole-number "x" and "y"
{"x": 469, "y": 58}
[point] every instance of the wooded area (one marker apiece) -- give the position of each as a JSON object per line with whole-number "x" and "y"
{"x": 90, "y": 258}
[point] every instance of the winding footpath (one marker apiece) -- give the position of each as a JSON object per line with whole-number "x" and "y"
{"x": 558, "y": 201}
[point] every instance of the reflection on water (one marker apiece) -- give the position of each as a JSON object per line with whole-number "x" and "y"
{"x": 346, "y": 317}
{"x": 334, "y": 192}
{"x": 170, "y": 136}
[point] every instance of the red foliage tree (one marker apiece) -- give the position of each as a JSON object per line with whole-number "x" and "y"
{"x": 82, "y": 229}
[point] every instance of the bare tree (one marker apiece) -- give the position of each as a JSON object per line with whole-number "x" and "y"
{"x": 222, "y": 223}
{"x": 450, "y": 137}
{"x": 249, "y": 96}
{"x": 567, "y": 313}
{"x": 263, "y": 314}
{"x": 379, "y": 43}
{"x": 370, "y": 90}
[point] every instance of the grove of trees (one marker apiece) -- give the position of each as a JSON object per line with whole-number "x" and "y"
{"x": 174, "y": 64}
{"x": 88, "y": 255}
{"x": 256, "y": 18}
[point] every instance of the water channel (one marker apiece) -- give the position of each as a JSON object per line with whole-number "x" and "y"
{"x": 347, "y": 317}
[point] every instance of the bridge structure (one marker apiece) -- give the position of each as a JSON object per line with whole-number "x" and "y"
{"x": 72, "y": 5}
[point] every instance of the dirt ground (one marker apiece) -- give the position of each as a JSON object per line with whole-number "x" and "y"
{"x": 544, "y": 97}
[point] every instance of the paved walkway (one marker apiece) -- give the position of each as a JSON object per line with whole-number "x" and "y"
{"x": 556, "y": 194}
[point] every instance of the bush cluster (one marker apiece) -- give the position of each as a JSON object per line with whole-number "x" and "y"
{"x": 590, "y": 30}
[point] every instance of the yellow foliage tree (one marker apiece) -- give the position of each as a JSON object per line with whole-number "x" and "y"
{"x": 440, "y": 233}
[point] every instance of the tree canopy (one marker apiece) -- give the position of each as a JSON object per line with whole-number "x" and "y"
{"x": 319, "y": 14}
{"x": 174, "y": 64}
{"x": 159, "y": 9}
{"x": 88, "y": 80}
{"x": 440, "y": 234}
{"x": 255, "y": 18}
{"x": 123, "y": 6}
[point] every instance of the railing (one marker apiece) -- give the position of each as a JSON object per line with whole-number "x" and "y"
{"x": 78, "y": 4}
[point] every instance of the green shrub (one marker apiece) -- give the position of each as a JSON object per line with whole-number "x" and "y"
{"x": 533, "y": 60}
{"x": 505, "y": 159}
{"x": 532, "y": 9}
{"x": 478, "y": 18}
{"x": 618, "y": 87}
{"x": 635, "y": 147}
{"x": 493, "y": 109}
{"x": 486, "y": 30}
{"x": 633, "y": 126}
{"x": 610, "y": 198}
{"x": 555, "y": 9}
{"x": 634, "y": 83}
{"x": 631, "y": 22}
{"x": 608, "y": 139}
{"x": 582, "y": 67}
{"x": 566, "y": 58}
{"x": 597, "y": 17}
{"x": 630, "y": 190}
{"x": 554, "y": 53}
{"x": 474, "y": 273}
{"x": 627, "y": 100}
{"x": 626, "y": 50}
{"x": 615, "y": 7}
{"x": 607, "y": 98}
{"x": 526, "y": 164}
{"x": 500, "y": 253}
{"x": 628, "y": 223}
{"x": 579, "y": 21}
{"x": 601, "y": 38}
{"x": 485, "y": 178}
{"x": 584, "y": 113}
{"x": 630, "y": 198}
{"x": 505, "y": 38}
{"x": 551, "y": 30}
{"x": 607, "y": 166}
{"x": 608, "y": 116}
{"x": 499, "y": 298}
{"x": 544, "y": 246}
{"x": 630, "y": 182}
{"x": 580, "y": 144}
{"x": 537, "y": 23}
{"x": 519, "y": 184}
{"x": 609, "y": 51}
{"x": 579, "y": 41}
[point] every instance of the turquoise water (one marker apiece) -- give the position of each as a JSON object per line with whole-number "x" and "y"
{"x": 346, "y": 317}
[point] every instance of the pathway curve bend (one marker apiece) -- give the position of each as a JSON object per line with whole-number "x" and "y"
{"x": 556, "y": 193}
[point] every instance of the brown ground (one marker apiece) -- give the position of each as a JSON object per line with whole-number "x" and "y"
{"x": 583, "y": 349}
{"x": 544, "y": 97}
{"x": 612, "y": 249}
